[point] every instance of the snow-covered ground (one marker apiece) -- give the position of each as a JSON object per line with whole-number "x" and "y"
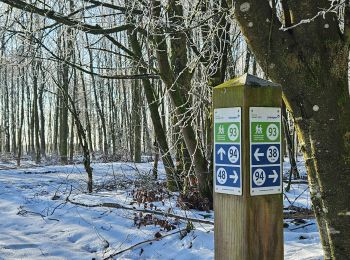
{"x": 37, "y": 222}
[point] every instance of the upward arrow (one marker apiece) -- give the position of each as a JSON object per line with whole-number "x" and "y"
{"x": 221, "y": 153}
{"x": 257, "y": 154}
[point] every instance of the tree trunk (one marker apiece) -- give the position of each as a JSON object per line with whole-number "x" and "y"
{"x": 87, "y": 116}
{"x": 70, "y": 104}
{"x": 35, "y": 115}
{"x": 112, "y": 116}
{"x": 136, "y": 114}
{"x": 98, "y": 105}
{"x": 29, "y": 132}
{"x": 64, "y": 129}
{"x": 42, "y": 118}
{"x": 7, "y": 114}
{"x": 247, "y": 61}
{"x": 311, "y": 64}
{"x": 156, "y": 120}
{"x": 56, "y": 123}
{"x": 71, "y": 141}
{"x": 13, "y": 113}
{"x": 126, "y": 123}
{"x": 327, "y": 150}
{"x": 177, "y": 82}
{"x": 290, "y": 147}
{"x": 147, "y": 142}
{"x": 19, "y": 136}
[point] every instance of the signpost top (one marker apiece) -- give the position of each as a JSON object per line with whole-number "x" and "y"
{"x": 248, "y": 80}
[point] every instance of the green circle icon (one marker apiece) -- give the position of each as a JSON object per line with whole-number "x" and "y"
{"x": 272, "y": 132}
{"x": 233, "y": 132}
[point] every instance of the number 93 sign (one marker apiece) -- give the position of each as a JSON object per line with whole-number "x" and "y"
{"x": 227, "y": 150}
{"x": 265, "y": 150}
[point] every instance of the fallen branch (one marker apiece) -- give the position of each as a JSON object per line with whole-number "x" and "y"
{"x": 296, "y": 181}
{"x": 307, "y": 215}
{"x": 143, "y": 242}
{"x": 159, "y": 213}
{"x": 309, "y": 224}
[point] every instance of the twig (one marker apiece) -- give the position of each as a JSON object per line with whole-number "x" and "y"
{"x": 285, "y": 195}
{"x": 140, "y": 243}
{"x": 296, "y": 181}
{"x": 160, "y": 213}
{"x": 299, "y": 195}
{"x": 64, "y": 203}
{"x": 309, "y": 224}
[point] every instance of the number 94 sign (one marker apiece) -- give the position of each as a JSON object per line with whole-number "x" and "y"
{"x": 265, "y": 150}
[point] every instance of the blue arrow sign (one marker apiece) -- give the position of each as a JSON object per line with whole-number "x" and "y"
{"x": 265, "y": 176}
{"x": 229, "y": 176}
{"x": 228, "y": 154}
{"x": 227, "y": 150}
{"x": 264, "y": 154}
{"x": 265, "y": 150}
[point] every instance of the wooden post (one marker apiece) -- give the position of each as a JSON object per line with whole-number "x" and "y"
{"x": 248, "y": 201}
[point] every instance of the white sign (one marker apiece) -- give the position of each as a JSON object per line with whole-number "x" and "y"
{"x": 265, "y": 150}
{"x": 227, "y": 150}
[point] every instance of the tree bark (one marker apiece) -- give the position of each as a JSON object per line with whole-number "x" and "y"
{"x": 137, "y": 116}
{"x": 56, "y": 123}
{"x": 67, "y": 43}
{"x": 311, "y": 63}
{"x": 179, "y": 100}
{"x": 156, "y": 120}
{"x": 19, "y": 133}
{"x": 14, "y": 105}
{"x": 97, "y": 103}
{"x": 71, "y": 141}
{"x": 35, "y": 115}
{"x": 42, "y": 117}
{"x": 87, "y": 116}
{"x": 247, "y": 61}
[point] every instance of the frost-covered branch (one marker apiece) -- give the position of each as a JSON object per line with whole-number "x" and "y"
{"x": 334, "y": 8}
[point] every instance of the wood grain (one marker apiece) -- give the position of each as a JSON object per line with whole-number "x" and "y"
{"x": 246, "y": 227}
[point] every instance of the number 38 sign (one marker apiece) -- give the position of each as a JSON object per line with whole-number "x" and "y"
{"x": 265, "y": 150}
{"x": 227, "y": 150}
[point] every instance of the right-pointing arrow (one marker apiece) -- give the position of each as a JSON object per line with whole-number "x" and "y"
{"x": 234, "y": 177}
{"x": 274, "y": 176}
{"x": 257, "y": 154}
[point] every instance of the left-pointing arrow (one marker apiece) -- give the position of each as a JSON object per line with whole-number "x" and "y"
{"x": 234, "y": 177}
{"x": 257, "y": 155}
{"x": 274, "y": 176}
{"x": 221, "y": 153}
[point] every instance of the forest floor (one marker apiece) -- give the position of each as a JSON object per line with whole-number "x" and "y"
{"x": 44, "y": 214}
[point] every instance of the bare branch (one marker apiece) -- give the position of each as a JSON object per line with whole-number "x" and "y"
{"x": 115, "y": 7}
{"x": 136, "y": 76}
{"x": 93, "y": 29}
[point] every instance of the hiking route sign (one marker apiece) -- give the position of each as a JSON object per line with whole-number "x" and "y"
{"x": 265, "y": 150}
{"x": 227, "y": 150}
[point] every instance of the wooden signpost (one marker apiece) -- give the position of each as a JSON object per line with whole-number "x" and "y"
{"x": 248, "y": 201}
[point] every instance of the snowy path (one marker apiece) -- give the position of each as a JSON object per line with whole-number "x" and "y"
{"x": 37, "y": 223}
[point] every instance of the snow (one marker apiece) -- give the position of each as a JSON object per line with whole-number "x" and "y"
{"x": 244, "y": 7}
{"x": 315, "y": 108}
{"x": 38, "y": 223}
